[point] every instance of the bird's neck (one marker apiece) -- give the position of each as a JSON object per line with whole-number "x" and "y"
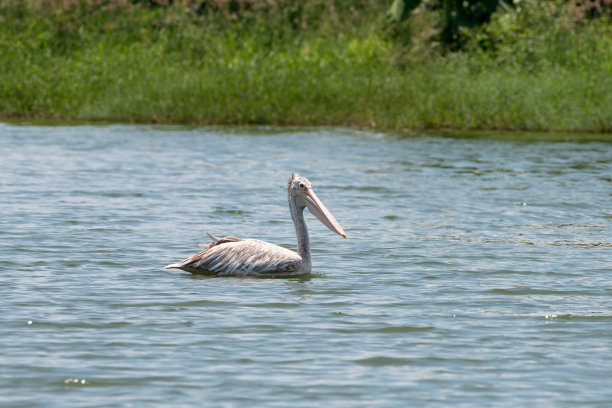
{"x": 302, "y": 234}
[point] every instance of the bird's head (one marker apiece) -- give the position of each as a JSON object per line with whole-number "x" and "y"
{"x": 299, "y": 190}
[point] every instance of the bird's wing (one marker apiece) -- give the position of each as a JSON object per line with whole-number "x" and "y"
{"x": 242, "y": 257}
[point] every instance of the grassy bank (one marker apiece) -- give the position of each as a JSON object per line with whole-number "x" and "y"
{"x": 91, "y": 61}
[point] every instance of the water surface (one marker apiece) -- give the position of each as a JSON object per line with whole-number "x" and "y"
{"x": 476, "y": 272}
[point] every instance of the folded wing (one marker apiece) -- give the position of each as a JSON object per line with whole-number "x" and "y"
{"x": 231, "y": 256}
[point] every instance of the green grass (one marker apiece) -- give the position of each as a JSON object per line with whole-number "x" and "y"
{"x": 172, "y": 66}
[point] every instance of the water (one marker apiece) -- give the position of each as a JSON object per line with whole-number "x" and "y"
{"x": 476, "y": 272}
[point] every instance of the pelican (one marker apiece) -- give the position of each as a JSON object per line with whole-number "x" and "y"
{"x": 232, "y": 256}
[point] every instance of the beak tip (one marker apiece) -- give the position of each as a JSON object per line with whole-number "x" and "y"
{"x": 343, "y": 235}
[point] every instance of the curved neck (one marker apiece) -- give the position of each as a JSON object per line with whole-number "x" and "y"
{"x": 303, "y": 251}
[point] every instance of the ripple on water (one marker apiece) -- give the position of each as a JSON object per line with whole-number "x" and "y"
{"x": 476, "y": 271}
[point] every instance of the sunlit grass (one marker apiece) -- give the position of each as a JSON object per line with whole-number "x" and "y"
{"x": 126, "y": 68}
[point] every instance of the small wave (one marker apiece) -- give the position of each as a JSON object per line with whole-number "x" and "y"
{"x": 531, "y": 291}
{"x": 581, "y": 244}
{"x": 379, "y": 361}
{"x": 79, "y": 324}
{"x": 572, "y": 316}
{"x": 230, "y": 211}
{"x": 387, "y": 329}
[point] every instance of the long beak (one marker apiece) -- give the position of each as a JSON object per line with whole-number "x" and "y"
{"x": 316, "y": 207}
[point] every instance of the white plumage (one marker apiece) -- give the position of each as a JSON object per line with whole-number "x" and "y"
{"x": 242, "y": 258}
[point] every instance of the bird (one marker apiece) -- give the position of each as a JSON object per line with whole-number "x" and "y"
{"x": 232, "y": 256}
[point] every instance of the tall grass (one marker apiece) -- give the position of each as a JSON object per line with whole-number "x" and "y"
{"x": 116, "y": 61}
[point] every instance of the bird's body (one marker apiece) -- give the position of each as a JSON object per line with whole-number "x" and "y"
{"x": 232, "y": 256}
{"x": 243, "y": 257}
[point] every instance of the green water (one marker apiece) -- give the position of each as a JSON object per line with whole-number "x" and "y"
{"x": 476, "y": 272}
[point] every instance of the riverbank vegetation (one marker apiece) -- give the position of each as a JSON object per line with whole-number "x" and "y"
{"x": 528, "y": 65}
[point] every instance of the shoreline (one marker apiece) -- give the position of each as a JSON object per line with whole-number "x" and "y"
{"x": 494, "y": 134}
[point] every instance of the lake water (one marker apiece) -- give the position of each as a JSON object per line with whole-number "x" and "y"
{"x": 476, "y": 272}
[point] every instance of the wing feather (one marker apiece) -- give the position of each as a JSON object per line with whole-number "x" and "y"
{"x": 242, "y": 257}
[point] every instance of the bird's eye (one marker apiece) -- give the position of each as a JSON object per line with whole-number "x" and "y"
{"x": 301, "y": 185}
